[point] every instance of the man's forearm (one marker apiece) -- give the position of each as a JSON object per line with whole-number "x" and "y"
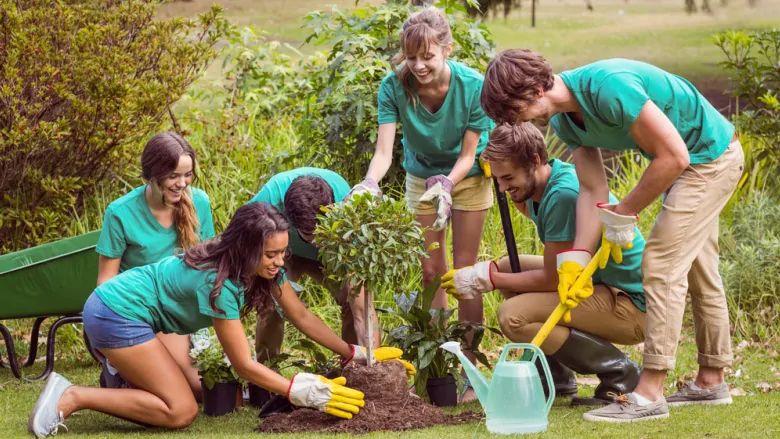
{"x": 658, "y": 177}
{"x": 524, "y": 282}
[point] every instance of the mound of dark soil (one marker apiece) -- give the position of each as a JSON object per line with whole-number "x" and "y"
{"x": 389, "y": 406}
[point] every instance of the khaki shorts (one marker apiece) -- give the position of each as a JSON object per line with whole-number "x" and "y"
{"x": 471, "y": 194}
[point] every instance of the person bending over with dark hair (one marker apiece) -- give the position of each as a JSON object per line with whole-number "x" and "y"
{"x": 151, "y": 222}
{"x": 300, "y": 194}
{"x": 213, "y": 284}
{"x": 546, "y": 191}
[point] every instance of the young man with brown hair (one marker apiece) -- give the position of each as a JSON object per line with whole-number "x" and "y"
{"x": 299, "y": 194}
{"x": 696, "y": 162}
{"x": 546, "y": 191}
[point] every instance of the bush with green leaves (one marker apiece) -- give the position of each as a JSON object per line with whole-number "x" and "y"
{"x": 80, "y": 81}
{"x": 331, "y": 97}
{"x": 752, "y": 60}
{"x": 750, "y": 264}
{"x": 369, "y": 242}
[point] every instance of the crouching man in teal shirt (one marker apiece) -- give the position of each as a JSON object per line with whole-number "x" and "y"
{"x": 299, "y": 194}
{"x": 546, "y": 191}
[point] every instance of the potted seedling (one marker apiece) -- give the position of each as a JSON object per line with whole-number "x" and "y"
{"x": 370, "y": 242}
{"x": 423, "y": 331}
{"x": 219, "y": 379}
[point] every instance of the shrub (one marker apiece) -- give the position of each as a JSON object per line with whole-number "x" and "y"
{"x": 752, "y": 59}
{"x": 79, "y": 81}
{"x": 750, "y": 264}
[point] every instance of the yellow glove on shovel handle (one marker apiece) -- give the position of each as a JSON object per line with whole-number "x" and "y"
{"x": 561, "y": 309}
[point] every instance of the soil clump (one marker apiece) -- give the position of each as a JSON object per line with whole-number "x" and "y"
{"x": 389, "y": 407}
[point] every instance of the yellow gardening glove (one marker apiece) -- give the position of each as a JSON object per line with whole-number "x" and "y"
{"x": 571, "y": 264}
{"x": 613, "y": 250}
{"x": 329, "y": 396}
{"x": 384, "y": 353}
{"x": 469, "y": 282}
{"x": 486, "y": 170}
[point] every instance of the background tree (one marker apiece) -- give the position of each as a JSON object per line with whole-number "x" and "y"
{"x": 79, "y": 82}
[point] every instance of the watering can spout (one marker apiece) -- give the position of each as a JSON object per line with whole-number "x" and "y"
{"x": 476, "y": 379}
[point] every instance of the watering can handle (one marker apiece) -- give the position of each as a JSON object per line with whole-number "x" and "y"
{"x": 536, "y": 353}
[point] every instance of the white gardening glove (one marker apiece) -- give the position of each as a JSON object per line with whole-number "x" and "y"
{"x": 367, "y": 185}
{"x": 439, "y": 193}
{"x": 329, "y": 396}
{"x": 469, "y": 282}
{"x": 618, "y": 231}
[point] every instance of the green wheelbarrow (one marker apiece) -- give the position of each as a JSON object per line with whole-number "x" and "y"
{"x": 50, "y": 280}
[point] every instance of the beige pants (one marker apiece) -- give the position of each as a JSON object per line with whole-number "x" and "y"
{"x": 681, "y": 256}
{"x": 608, "y": 314}
{"x": 470, "y": 194}
{"x": 269, "y": 331}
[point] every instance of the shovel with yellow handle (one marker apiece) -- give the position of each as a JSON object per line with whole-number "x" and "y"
{"x": 602, "y": 253}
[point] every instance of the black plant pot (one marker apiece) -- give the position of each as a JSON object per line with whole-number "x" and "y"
{"x": 258, "y": 396}
{"x": 220, "y": 399}
{"x": 442, "y": 391}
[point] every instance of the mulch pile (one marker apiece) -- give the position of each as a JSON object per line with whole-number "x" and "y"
{"x": 389, "y": 407}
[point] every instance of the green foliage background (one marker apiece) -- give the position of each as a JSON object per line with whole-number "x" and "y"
{"x": 80, "y": 82}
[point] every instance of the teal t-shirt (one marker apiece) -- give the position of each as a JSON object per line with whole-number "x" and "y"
{"x": 611, "y": 94}
{"x": 132, "y": 233}
{"x": 555, "y": 217}
{"x": 432, "y": 141}
{"x": 171, "y": 296}
{"x": 275, "y": 189}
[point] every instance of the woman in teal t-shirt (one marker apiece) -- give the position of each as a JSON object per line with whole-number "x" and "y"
{"x": 211, "y": 284}
{"x": 436, "y": 101}
{"x": 153, "y": 220}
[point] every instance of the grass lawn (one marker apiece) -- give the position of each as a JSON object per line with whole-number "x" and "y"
{"x": 757, "y": 414}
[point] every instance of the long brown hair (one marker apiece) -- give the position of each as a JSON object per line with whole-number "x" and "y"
{"x": 429, "y": 26}
{"x": 237, "y": 252}
{"x": 161, "y": 157}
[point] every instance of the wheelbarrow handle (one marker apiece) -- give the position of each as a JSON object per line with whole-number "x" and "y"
{"x": 560, "y": 310}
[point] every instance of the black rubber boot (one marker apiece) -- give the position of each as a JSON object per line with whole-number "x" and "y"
{"x": 563, "y": 378}
{"x": 588, "y": 354}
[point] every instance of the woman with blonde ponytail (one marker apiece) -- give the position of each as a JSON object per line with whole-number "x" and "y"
{"x": 162, "y": 217}
{"x": 436, "y": 101}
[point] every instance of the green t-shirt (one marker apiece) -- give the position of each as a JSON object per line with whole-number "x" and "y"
{"x": 275, "y": 189}
{"x": 132, "y": 233}
{"x": 611, "y": 94}
{"x": 555, "y": 217}
{"x": 171, "y": 296}
{"x": 432, "y": 141}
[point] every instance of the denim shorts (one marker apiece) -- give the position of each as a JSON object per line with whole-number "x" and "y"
{"x": 108, "y": 330}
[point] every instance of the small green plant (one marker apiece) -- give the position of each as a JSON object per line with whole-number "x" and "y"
{"x": 425, "y": 329}
{"x": 369, "y": 242}
{"x": 210, "y": 360}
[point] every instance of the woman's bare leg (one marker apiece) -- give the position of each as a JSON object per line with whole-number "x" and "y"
{"x": 436, "y": 264}
{"x": 179, "y": 347}
{"x": 161, "y": 396}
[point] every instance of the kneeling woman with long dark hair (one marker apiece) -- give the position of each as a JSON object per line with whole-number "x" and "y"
{"x": 210, "y": 285}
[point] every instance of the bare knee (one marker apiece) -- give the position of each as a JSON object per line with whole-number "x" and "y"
{"x": 183, "y": 416}
{"x": 430, "y": 272}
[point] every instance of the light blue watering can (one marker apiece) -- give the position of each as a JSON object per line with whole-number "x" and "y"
{"x": 513, "y": 400}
